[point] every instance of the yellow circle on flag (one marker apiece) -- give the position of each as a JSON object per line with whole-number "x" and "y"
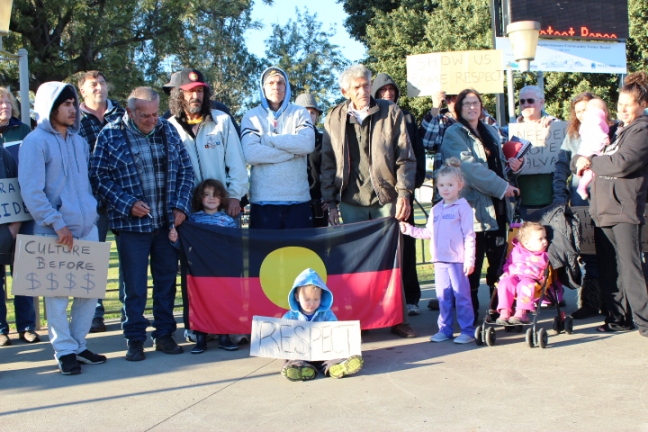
{"x": 280, "y": 268}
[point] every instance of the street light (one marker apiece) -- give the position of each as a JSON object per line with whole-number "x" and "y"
{"x": 523, "y": 36}
{"x": 23, "y": 65}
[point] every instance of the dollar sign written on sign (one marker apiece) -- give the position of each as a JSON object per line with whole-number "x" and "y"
{"x": 33, "y": 278}
{"x": 53, "y": 282}
{"x": 89, "y": 285}
{"x": 71, "y": 284}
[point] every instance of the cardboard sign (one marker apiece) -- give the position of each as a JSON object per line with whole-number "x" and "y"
{"x": 12, "y": 206}
{"x": 304, "y": 340}
{"x": 587, "y": 245}
{"x": 542, "y": 157}
{"x": 455, "y": 71}
{"x": 45, "y": 268}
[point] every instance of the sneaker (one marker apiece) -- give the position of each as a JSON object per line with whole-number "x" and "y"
{"x": 240, "y": 339}
{"x": 90, "y": 358}
{"x": 29, "y": 336}
{"x": 584, "y": 312}
{"x": 69, "y": 365}
{"x": 404, "y": 330}
{"x": 413, "y": 310}
{"x": 349, "y": 366}
{"x": 464, "y": 339}
{"x": 501, "y": 321}
{"x": 190, "y": 336}
{"x": 98, "y": 325}
{"x": 167, "y": 345}
{"x": 225, "y": 343}
{"x": 135, "y": 351}
{"x": 439, "y": 337}
{"x": 299, "y": 373}
{"x": 4, "y": 339}
{"x": 433, "y": 304}
{"x": 518, "y": 320}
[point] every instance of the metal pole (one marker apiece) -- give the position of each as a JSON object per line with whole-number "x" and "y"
{"x": 540, "y": 78}
{"x": 23, "y": 68}
{"x": 511, "y": 95}
{"x": 496, "y": 29}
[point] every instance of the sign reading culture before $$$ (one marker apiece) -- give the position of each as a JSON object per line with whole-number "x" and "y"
{"x": 304, "y": 340}
{"x": 455, "y": 71}
{"x": 43, "y": 267}
{"x": 12, "y": 206}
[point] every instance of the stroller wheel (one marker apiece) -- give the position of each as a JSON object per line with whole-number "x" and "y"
{"x": 490, "y": 336}
{"x": 478, "y": 336}
{"x": 508, "y": 329}
{"x": 519, "y": 328}
{"x": 529, "y": 338}
{"x": 569, "y": 325}
{"x": 543, "y": 338}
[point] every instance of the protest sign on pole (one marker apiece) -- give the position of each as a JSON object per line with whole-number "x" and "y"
{"x": 455, "y": 71}
{"x": 45, "y": 268}
{"x": 12, "y": 207}
{"x": 587, "y": 244}
{"x": 304, "y": 340}
{"x": 542, "y": 157}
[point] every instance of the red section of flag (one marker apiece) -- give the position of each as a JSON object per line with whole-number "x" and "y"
{"x": 226, "y": 305}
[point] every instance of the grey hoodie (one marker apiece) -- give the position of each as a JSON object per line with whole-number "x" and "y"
{"x": 53, "y": 172}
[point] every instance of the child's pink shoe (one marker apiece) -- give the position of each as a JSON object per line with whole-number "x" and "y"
{"x": 520, "y": 317}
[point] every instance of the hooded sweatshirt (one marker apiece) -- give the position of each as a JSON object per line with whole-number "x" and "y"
{"x": 323, "y": 312}
{"x": 53, "y": 171}
{"x": 276, "y": 144}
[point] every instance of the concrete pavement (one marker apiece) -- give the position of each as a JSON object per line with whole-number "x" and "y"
{"x": 586, "y": 381}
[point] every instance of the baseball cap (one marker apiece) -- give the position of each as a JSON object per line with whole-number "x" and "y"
{"x": 186, "y": 79}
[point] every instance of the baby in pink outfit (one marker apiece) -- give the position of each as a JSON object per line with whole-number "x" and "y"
{"x": 594, "y": 137}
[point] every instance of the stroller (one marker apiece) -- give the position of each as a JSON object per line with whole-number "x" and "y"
{"x": 562, "y": 227}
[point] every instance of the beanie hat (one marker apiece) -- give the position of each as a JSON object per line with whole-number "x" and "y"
{"x": 67, "y": 93}
{"x": 307, "y": 100}
{"x": 272, "y": 72}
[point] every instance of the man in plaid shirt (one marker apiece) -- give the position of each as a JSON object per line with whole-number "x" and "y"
{"x": 96, "y": 112}
{"x": 141, "y": 170}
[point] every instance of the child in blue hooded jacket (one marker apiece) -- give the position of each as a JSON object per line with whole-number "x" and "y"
{"x": 311, "y": 300}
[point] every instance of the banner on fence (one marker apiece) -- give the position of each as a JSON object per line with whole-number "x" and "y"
{"x": 542, "y": 157}
{"x": 12, "y": 207}
{"x": 304, "y": 340}
{"x": 45, "y": 268}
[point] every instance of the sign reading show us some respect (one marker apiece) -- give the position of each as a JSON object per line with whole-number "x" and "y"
{"x": 304, "y": 340}
{"x": 455, "y": 71}
{"x": 12, "y": 207}
{"x": 43, "y": 267}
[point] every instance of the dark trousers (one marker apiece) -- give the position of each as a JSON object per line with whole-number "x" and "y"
{"x": 410, "y": 277}
{"x": 23, "y": 306}
{"x": 618, "y": 252}
{"x": 270, "y": 216}
{"x": 491, "y": 244}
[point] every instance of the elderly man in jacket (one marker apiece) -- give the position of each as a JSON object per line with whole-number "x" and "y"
{"x": 368, "y": 165}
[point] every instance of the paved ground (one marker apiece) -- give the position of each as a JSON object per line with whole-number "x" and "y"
{"x": 583, "y": 382}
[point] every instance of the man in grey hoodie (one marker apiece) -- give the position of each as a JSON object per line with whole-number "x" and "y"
{"x": 53, "y": 177}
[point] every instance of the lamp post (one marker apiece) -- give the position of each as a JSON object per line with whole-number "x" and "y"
{"x": 21, "y": 57}
{"x": 523, "y": 36}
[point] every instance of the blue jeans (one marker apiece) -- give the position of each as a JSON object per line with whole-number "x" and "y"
{"x": 134, "y": 250}
{"x": 23, "y": 306}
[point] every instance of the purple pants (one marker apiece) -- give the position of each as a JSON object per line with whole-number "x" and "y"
{"x": 453, "y": 290}
{"x": 513, "y": 286}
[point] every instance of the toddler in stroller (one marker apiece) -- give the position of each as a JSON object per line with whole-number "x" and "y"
{"x": 524, "y": 270}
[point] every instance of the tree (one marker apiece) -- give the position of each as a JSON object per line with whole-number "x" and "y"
{"x": 304, "y": 51}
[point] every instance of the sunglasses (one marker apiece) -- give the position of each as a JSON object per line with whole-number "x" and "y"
{"x": 529, "y": 101}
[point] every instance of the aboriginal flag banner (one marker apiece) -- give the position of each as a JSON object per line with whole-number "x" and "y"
{"x": 234, "y": 274}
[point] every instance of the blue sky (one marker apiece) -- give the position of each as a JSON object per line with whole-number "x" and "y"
{"x": 329, "y": 13}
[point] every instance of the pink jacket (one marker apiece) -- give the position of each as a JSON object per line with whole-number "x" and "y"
{"x": 451, "y": 231}
{"x": 524, "y": 263}
{"x": 593, "y": 132}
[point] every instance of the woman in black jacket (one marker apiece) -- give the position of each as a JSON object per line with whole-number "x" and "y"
{"x": 617, "y": 207}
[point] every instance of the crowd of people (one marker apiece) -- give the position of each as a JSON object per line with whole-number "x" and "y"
{"x": 91, "y": 165}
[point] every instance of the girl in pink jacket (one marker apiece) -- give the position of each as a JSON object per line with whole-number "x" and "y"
{"x": 452, "y": 247}
{"x": 594, "y": 136}
{"x": 523, "y": 269}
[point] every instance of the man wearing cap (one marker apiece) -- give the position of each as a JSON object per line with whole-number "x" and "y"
{"x": 96, "y": 112}
{"x": 368, "y": 165}
{"x": 53, "y": 176}
{"x": 319, "y": 208}
{"x": 277, "y": 137}
{"x": 142, "y": 171}
{"x": 209, "y": 137}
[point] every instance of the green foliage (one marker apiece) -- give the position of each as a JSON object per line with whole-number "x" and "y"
{"x": 304, "y": 51}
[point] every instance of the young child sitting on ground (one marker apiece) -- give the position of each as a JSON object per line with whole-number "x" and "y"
{"x": 523, "y": 269}
{"x": 594, "y": 136}
{"x": 209, "y": 200}
{"x": 311, "y": 300}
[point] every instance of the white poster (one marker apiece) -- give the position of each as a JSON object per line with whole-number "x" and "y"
{"x": 12, "y": 206}
{"x": 542, "y": 157}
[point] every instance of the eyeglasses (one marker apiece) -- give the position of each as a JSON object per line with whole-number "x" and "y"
{"x": 529, "y": 101}
{"x": 467, "y": 104}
